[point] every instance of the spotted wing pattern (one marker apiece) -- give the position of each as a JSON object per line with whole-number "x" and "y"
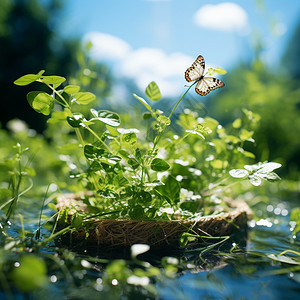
{"x": 207, "y": 84}
{"x": 204, "y": 84}
{"x": 196, "y": 71}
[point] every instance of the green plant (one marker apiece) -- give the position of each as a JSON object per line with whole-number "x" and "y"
{"x": 175, "y": 173}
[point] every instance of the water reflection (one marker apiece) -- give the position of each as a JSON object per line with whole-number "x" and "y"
{"x": 247, "y": 276}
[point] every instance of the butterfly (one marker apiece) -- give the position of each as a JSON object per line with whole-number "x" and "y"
{"x": 204, "y": 84}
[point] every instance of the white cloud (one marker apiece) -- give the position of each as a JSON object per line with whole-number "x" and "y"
{"x": 226, "y": 16}
{"x": 106, "y": 46}
{"x": 147, "y": 64}
{"x": 142, "y": 65}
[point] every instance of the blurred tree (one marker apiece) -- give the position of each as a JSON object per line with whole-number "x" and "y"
{"x": 290, "y": 59}
{"x": 28, "y": 43}
{"x": 273, "y": 97}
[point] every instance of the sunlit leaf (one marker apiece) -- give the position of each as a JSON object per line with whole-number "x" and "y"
{"x": 112, "y": 130}
{"x": 255, "y": 180}
{"x": 68, "y": 149}
{"x": 237, "y": 123}
{"x": 77, "y": 221}
{"x": 218, "y": 70}
{"x": 29, "y": 78}
{"x": 107, "y": 117}
{"x": 52, "y": 206}
{"x": 238, "y": 173}
{"x": 170, "y": 190}
{"x": 159, "y": 165}
{"x": 219, "y": 164}
{"x": 246, "y": 135}
{"x": 132, "y": 161}
{"x": 285, "y": 259}
{"x": 71, "y": 89}
{"x": 41, "y": 102}
{"x": 142, "y": 101}
{"x": 55, "y": 81}
{"x": 129, "y": 138}
{"x": 152, "y": 91}
{"x": 136, "y": 212}
{"x": 57, "y": 116}
{"x": 268, "y": 167}
{"x": 31, "y": 274}
{"x": 76, "y": 120}
{"x": 271, "y": 176}
{"x": 163, "y": 120}
{"x": 185, "y": 238}
{"x": 248, "y": 154}
{"x": 84, "y": 97}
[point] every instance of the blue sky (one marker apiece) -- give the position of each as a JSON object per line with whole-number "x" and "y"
{"x": 158, "y": 39}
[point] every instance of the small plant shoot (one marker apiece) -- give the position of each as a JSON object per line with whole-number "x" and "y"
{"x": 127, "y": 175}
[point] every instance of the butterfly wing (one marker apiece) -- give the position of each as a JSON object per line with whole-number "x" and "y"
{"x": 207, "y": 84}
{"x": 196, "y": 71}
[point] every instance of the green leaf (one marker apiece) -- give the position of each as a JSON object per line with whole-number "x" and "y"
{"x": 68, "y": 149}
{"x": 268, "y": 167}
{"x": 55, "y": 81}
{"x": 92, "y": 152}
{"x": 142, "y": 100}
{"x": 159, "y": 165}
{"x": 5, "y": 193}
{"x": 170, "y": 191}
{"x": 31, "y": 274}
{"x": 112, "y": 130}
{"x": 246, "y": 135}
{"x": 137, "y": 212}
{"x": 132, "y": 161}
{"x": 238, "y": 173}
{"x": 255, "y": 180}
{"x": 147, "y": 115}
{"x": 152, "y": 91}
{"x": 285, "y": 259}
{"x": 77, "y": 221}
{"x": 271, "y": 176}
{"x": 41, "y": 102}
{"x": 29, "y": 78}
{"x": 219, "y": 164}
{"x": 295, "y": 217}
{"x": 237, "y": 123}
{"x": 107, "y": 117}
{"x": 186, "y": 238}
{"x": 220, "y": 71}
{"x": 71, "y": 89}
{"x": 52, "y": 206}
{"x": 163, "y": 120}
{"x": 57, "y": 116}
{"x": 109, "y": 159}
{"x": 120, "y": 180}
{"x": 76, "y": 120}
{"x": 129, "y": 138}
{"x": 84, "y": 97}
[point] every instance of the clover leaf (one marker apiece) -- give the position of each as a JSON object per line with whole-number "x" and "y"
{"x": 257, "y": 172}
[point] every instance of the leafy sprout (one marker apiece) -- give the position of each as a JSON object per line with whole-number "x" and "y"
{"x": 257, "y": 172}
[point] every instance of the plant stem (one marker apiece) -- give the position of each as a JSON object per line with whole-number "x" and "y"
{"x": 59, "y": 95}
{"x": 165, "y": 126}
{"x": 181, "y": 99}
{"x": 98, "y": 137}
{"x": 79, "y": 136}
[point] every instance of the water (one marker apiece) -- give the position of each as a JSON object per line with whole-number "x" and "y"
{"x": 248, "y": 274}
